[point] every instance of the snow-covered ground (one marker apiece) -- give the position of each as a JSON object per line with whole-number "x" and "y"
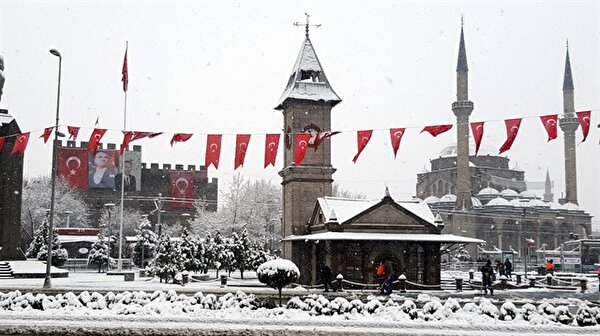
{"x": 204, "y": 308}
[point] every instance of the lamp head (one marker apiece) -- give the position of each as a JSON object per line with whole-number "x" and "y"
{"x": 55, "y": 53}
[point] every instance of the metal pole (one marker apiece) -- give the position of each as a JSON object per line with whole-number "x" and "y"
{"x": 68, "y": 217}
{"x": 109, "y": 237}
{"x": 47, "y": 281}
{"x": 158, "y": 204}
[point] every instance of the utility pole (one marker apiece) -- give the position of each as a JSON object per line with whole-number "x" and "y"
{"x": 158, "y": 203}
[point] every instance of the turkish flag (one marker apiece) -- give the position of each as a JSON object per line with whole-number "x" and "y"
{"x": 1, "y": 143}
{"x": 95, "y": 138}
{"x": 73, "y": 131}
{"x": 47, "y": 133}
{"x": 477, "y": 129}
{"x": 154, "y": 135}
{"x": 512, "y": 128}
{"x": 241, "y": 146}
{"x": 271, "y": 146}
{"x": 182, "y": 189}
{"x": 213, "y": 150}
{"x": 584, "y": 121}
{"x": 139, "y": 135}
{"x": 363, "y": 139}
{"x": 127, "y": 138}
{"x": 396, "y": 136}
{"x": 301, "y": 147}
{"x": 322, "y": 136}
{"x": 180, "y": 137}
{"x": 549, "y": 122}
{"x": 73, "y": 167}
{"x": 437, "y": 129}
{"x": 20, "y": 143}
{"x": 125, "y": 73}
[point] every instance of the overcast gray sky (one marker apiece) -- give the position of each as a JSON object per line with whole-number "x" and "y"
{"x": 220, "y": 67}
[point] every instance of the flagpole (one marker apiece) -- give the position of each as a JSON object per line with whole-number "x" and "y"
{"x": 120, "y": 263}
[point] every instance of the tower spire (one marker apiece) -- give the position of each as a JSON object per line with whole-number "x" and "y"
{"x": 568, "y": 79}
{"x": 569, "y": 124}
{"x": 548, "y": 195}
{"x": 462, "y": 109}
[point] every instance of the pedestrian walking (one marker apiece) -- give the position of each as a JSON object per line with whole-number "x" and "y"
{"x": 326, "y": 277}
{"x": 508, "y": 268}
{"x": 550, "y": 267}
{"x": 388, "y": 284}
{"x": 487, "y": 272}
{"x": 380, "y": 276}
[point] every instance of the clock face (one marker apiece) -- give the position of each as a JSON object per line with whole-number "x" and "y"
{"x": 314, "y": 131}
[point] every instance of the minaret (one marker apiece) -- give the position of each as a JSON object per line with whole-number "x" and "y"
{"x": 306, "y": 105}
{"x": 568, "y": 124}
{"x": 462, "y": 109}
{"x": 548, "y": 195}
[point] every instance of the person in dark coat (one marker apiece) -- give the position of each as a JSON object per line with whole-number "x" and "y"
{"x": 508, "y": 268}
{"x": 380, "y": 276}
{"x": 326, "y": 277}
{"x": 487, "y": 272}
{"x": 389, "y": 277}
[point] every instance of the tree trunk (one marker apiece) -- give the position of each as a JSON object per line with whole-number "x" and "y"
{"x": 279, "y": 295}
{"x": 242, "y": 272}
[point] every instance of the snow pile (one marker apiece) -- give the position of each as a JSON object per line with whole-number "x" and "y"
{"x": 160, "y": 303}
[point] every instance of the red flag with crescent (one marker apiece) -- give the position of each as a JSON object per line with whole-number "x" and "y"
{"x": 1, "y": 143}
{"x": 47, "y": 133}
{"x": 585, "y": 121}
{"x": 550, "y": 122}
{"x": 20, "y": 143}
{"x": 436, "y": 129}
{"x": 73, "y": 167}
{"x": 241, "y": 147}
{"x": 363, "y": 138}
{"x": 180, "y": 137}
{"x": 322, "y": 136}
{"x": 301, "y": 147}
{"x": 271, "y": 146}
{"x": 95, "y": 138}
{"x": 127, "y": 138}
{"x": 182, "y": 189}
{"x": 512, "y": 128}
{"x": 213, "y": 150}
{"x": 139, "y": 135}
{"x": 477, "y": 130}
{"x": 396, "y": 136}
{"x": 73, "y": 132}
{"x": 125, "y": 73}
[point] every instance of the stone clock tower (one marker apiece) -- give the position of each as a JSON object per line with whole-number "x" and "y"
{"x": 306, "y": 105}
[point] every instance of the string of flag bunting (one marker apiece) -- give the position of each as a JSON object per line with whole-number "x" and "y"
{"x": 302, "y": 141}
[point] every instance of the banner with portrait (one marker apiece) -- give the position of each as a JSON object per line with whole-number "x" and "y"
{"x": 73, "y": 167}
{"x": 182, "y": 189}
{"x": 133, "y": 172}
{"x": 102, "y": 169}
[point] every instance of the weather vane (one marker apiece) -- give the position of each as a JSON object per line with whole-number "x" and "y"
{"x": 307, "y": 25}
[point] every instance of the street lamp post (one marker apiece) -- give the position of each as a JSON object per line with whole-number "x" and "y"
{"x": 109, "y": 207}
{"x": 47, "y": 281}
{"x": 158, "y": 203}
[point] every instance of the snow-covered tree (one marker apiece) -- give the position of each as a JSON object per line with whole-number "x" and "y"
{"x": 145, "y": 247}
{"x": 98, "y": 255}
{"x": 189, "y": 247}
{"x": 36, "y": 199}
{"x": 209, "y": 248}
{"x": 168, "y": 261}
{"x": 242, "y": 251}
{"x": 59, "y": 255}
{"x": 278, "y": 273}
{"x": 338, "y": 191}
{"x": 40, "y": 238}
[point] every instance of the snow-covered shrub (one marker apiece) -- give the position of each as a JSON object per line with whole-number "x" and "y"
{"x": 548, "y": 311}
{"x": 297, "y": 303}
{"x": 318, "y": 305}
{"x": 373, "y": 306}
{"x": 471, "y": 307}
{"x": 209, "y": 301}
{"x": 529, "y": 311}
{"x": 410, "y": 309}
{"x": 508, "y": 311}
{"x": 452, "y": 305}
{"x": 489, "y": 309}
{"x": 391, "y": 303}
{"x": 585, "y": 316}
{"x": 340, "y": 306}
{"x": 563, "y": 315}
{"x": 357, "y": 306}
{"x": 596, "y": 312}
{"x": 277, "y": 274}
{"x": 433, "y": 310}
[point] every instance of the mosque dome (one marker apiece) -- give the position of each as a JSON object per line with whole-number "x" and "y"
{"x": 570, "y": 206}
{"x": 555, "y": 206}
{"x": 537, "y": 203}
{"x": 450, "y": 150}
{"x": 448, "y": 198}
{"x": 528, "y": 194}
{"x": 476, "y": 201}
{"x": 509, "y": 193}
{"x": 431, "y": 200}
{"x": 498, "y": 201}
{"x": 488, "y": 192}
{"x": 519, "y": 202}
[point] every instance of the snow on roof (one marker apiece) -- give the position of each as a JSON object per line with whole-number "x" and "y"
{"x": 427, "y": 237}
{"x": 72, "y": 239}
{"x": 347, "y": 208}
